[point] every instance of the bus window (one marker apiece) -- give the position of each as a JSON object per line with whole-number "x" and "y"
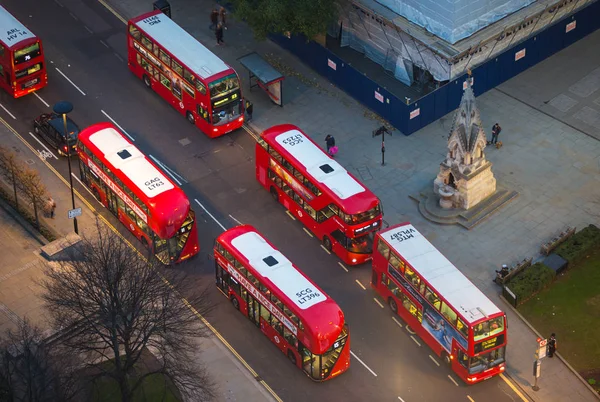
{"x": 383, "y": 249}
{"x": 462, "y": 327}
{"x": 134, "y": 32}
{"x": 412, "y": 277}
{"x": 448, "y": 313}
{"x": 276, "y": 324}
{"x": 432, "y": 297}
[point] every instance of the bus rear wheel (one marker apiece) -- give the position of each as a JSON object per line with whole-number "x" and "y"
{"x": 190, "y": 117}
{"x": 274, "y": 194}
{"x": 235, "y": 302}
{"x": 292, "y": 357}
{"x": 446, "y": 358}
{"x": 393, "y": 305}
{"x": 147, "y": 81}
{"x": 327, "y": 243}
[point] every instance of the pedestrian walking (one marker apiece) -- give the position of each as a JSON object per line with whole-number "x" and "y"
{"x": 249, "y": 110}
{"x": 50, "y": 207}
{"x": 214, "y": 19}
{"x": 495, "y": 133}
{"x": 330, "y": 142}
{"x": 552, "y": 345}
{"x": 219, "y": 34}
{"x": 223, "y": 15}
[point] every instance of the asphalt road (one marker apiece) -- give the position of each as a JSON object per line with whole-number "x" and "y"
{"x": 86, "y": 59}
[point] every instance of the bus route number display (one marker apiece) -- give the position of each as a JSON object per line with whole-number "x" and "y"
{"x": 293, "y": 140}
{"x": 151, "y": 20}
{"x": 403, "y": 235}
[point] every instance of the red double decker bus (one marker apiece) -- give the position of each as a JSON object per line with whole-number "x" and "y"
{"x": 332, "y": 203}
{"x": 189, "y": 76}
{"x": 437, "y": 301}
{"x": 22, "y": 68}
{"x": 298, "y": 317}
{"x": 150, "y": 205}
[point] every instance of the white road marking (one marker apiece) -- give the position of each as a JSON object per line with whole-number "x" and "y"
{"x": 41, "y": 100}
{"x": 415, "y": 339}
{"x": 209, "y": 214}
{"x": 471, "y": 399}
{"x": 363, "y": 363}
{"x": 60, "y": 5}
{"x": 119, "y": 57}
{"x": 104, "y": 43}
{"x": 117, "y": 124}
{"x": 165, "y": 168}
{"x": 74, "y": 16}
{"x": 435, "y": 361}
{"x": 361, "y": 285}
{"x": 401, "y": 399}
{"x": 307, "y": 232}
{"x": 341, "y": 265}
{"x": 68, "y": 79}
{"x": 290, "y": 215}
{"x": 378, "y": 302}
{"x": 87, "y": 188}
{"x": 231, "y": 216}
{"x": 88, "y": 29}
{"x": 9, "y": 113}
{"x": 397, "y": 322}
{"x": 327, "y": 251}
{"x": 42, "y": 144}
{"x": 453, "y": 380}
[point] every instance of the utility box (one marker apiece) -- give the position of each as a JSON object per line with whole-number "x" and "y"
{"x": 162, "y": 5}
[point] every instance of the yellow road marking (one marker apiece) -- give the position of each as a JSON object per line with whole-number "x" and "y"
{"x": 114, "y": 229}
{"x": 513, "y": 387}
{"x": 470, "y": 399}
{"x": 116, "y": 14}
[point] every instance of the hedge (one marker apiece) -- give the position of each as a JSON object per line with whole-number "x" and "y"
{"x": 531, "y": 281}
{"x": 581, "y": 243}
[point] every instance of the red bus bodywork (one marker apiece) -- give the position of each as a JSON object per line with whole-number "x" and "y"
{"x": 439, "y": 303}
{"x": 22, "y": 67}
{"x": 146, "y": 201}
{"x": 327, "y": 199}
{"x": 297, "y": 316}
{"x": 181, "y": 70}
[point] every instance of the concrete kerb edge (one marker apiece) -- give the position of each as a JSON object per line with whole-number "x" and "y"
{"x": 556, "y": 353}
{"x": 26, "y": 225}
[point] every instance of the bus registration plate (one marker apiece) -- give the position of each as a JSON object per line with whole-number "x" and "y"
{"x": 31, "y": 83}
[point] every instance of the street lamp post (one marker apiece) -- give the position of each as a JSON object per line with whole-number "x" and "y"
{"x": 381, "y": 131}
{"x": 63, "y": 108}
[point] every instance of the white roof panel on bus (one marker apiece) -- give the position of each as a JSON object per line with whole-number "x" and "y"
{"x": 439, "y": 272}
{"x": 129, "y": 160}
{"x": 319, "y": 165}
{"x": 11, "y": 30}
{"x": 182, "y": 45}
{"x": 273, "y": 265}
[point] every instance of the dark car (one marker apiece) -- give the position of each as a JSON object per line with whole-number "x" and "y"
{"x": 51, "y": 128}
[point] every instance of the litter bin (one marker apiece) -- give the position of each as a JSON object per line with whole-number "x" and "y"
{"x": 162, "y": 5}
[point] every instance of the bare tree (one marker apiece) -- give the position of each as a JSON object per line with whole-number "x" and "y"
{"x": 34, "y": 190}
{"x": 33, "y": 370}
{"x": 10, "y": 166}
{"x": 123, "y": 307}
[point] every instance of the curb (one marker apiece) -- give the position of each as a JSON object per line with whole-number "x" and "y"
{"x": 562, "y": 359}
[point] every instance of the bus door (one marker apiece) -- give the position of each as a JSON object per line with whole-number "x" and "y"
{"x": 111, "y": 199}
{"x": 222, "y": 278}
{"x": 253, "y": 309}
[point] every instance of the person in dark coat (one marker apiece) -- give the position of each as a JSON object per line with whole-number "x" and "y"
{"x": 214, "y": 18}
{"x": 495, "y": 133}
{"x": 249, "y": 110}
{"x": 552, "y": 345}
{"x": 330, "y": 142}
{"x": 219, "y": 34}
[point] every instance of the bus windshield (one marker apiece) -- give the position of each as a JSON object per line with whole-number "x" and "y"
{"x": 363, "y": 216}
{"x": 27, "y": 53}
{"x": 224, "y": 86}
{"x": 489, "y": 328}
{"x": 486, "y": 361}
{"x": 362, "y": 244}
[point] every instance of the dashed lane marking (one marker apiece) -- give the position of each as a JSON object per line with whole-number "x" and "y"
{"x": 327, "y": 251}
{"x": 435, "y": 361}
{"x": 42, "y": 144}
{"x": 397, "y": 322}
{"x": 68, "y": 79}
{"x": 363, "y": 363}
{"x": 308, "y": 233}
{"x": 41, "y": 100}
{"x": 361, "y": 285}
{"x": 340, "y": 264}
{"x": 415, "y": 339}
{"x": 9, "y": 113}
{"x": 378, "y": 302}
{"x": 470, "y": 399}
{"x": 453, "y": 380}
{"x": 209, "y": 214}
{"x": 117, "y": 124}
{"x": 290, "y": 215}
{"x": 232, "y": 217}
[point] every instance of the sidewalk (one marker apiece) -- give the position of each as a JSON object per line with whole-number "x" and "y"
{"x": 22, "y": 266}
{"x": 554, "y": 168}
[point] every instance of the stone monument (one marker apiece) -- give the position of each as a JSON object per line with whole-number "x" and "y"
{"x": 465, "y": 176}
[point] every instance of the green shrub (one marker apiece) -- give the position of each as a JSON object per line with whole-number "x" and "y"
{"x": 530, "y": 281}
{"x": 581, "y": 243}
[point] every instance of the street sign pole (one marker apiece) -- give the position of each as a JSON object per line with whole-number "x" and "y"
{"x": 537, "y": 370}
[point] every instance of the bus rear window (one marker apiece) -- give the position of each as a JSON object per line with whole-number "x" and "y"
{"x": 27, "y": 53}
{"x": 28, "y": 71}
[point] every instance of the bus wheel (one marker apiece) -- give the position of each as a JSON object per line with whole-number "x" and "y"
{"x": 235, "y": 302}
{"x": 190, "y": 117}
{"x": 327, "y": 243}
{"x": 147, "y": 81}
{"x": 96, "y": 194}
{"x": 292, "y": 357}
{"x": 393, "y": 305}
{"x": 274, "y": 194}
{"x": 446, "y": 358}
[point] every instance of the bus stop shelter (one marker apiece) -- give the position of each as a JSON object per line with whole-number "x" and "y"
{"x": 265, "y": 76}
